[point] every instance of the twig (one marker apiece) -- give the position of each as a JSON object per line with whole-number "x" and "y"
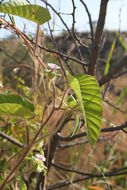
{"x": 48, "y": 4}
{"x": 115, "y": 107}
{"x": 104, "y": 130}
{"x": 90, "y": 20}
{"x": 103, "y": 96}
{"x": 73, "y": 16}
{"x": 85, "y": 176}
{"x": 73, "y": 30}
{"x": 110, "y": 75}
{"x": 10, "y": 139}
{"x": 27, "y": 132}
{"x": 58, "y": 53}
{"x": 19, "y": 33}
{"x": 63, "y": 97}
{"x": 55, "y": 45}
{"x": 51, "y": 148}
{"x": 98, "y": 34}
{"x": 120, "y": 74}
{"x": 83, "y": 141}
{"x": 54, "y": 94}
{"x": 37, "y": 36}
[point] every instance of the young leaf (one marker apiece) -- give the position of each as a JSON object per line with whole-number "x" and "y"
{"x": 88, "y": 93}
{"x": 124, "y": 45}
{"x": 71, "y": 102}
{"x": 109, "y": 57}
{"x": 31, "y": 12}
{"x": 12, "y": 104}
{"x": 21, "y": 184}
{"x": 77, "y": 125}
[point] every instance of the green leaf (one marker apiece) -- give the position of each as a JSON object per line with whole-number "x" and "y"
{"x": 32, "y": 12}
{"x": 122, "y": 96}
{"x": 88, "y": 93}
{"x": 21, "y": 184}
{"x": 109, "y": 57}
{"x": 12, "y": 104}
{"x": 77, "y": 125}
{"x": 71, "y": 102}
{"x": 121, "y": 41}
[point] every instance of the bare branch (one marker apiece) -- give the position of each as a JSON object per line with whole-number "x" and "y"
{"x": 86, "y": 176}
{"x": 98, "y": 34}
{"x": 12, "y": 140}
{"x": 114, "y": 71}
{"x": 103, "y": 130}
{"x": 48, "y": 4}
{"x": 90, "y": 20}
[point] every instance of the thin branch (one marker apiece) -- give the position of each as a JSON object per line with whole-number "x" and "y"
{"x": 115, "y": 107}
{"x": 20, "y": 34}
{"x": 27, "y": 132}
{"x": 55, "y": 45}
{"x": 104, "y": 130}
{"x": 120, "y": 74}
{"x": 63, "y": 97}
{"x": 73, "y": 30}
{"x": 37, "y": 36}
{"x": 90, "y": 20}
{"x": 48, "y": 4}
{"x": 98, "y": 34}
{"x": 105, "y": 91}
{"x": 116, "y": 69}
{"x": 54, "y": 94}
{"x": 10, "y": 139}
{"x": 86, "y": 176}
{"x": 73, "y": 16}
{"x": 83, "y": 141}
{"x": 66, "y": 57}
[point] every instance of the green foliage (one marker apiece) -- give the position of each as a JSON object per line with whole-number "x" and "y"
{"x": 12, "y": 104}
{"x": 21, "y": 184}
{"x": 72, "y": 103}
{"x": 109, "y": 57}
{"x": 87, "y": 91}
{"x": 121, "y": 41}
{"x": 77, "y": 125}
{"x": 122, "y": 96}
{"x": 32, "y": 12}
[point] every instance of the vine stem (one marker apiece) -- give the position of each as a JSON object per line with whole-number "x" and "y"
{"x": 19, "y": 33}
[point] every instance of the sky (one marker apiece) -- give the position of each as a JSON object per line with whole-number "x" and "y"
{"x": 116, "y": 16}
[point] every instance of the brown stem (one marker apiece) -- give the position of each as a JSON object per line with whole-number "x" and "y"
{"x": 103, "y": 130}
{"x": 51, "y": 148}
{"x": 10, "y": 139}
{"x": 98, "y": 34}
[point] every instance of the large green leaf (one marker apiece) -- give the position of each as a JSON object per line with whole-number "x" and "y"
{"x": 88, "y": 93}
{"x": 12, "y": 104}
{"x": 32, "y": 12}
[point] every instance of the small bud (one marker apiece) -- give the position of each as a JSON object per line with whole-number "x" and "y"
{"x": 40, "y": 157}
{"x": 53, "y": 67}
